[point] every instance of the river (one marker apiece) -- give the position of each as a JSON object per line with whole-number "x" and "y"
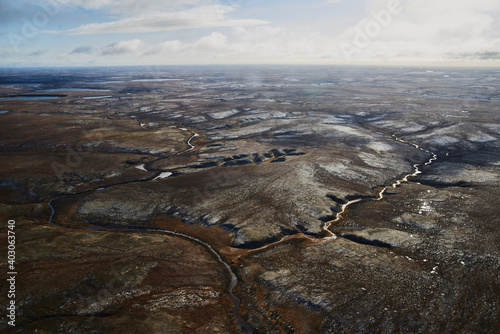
{"x": 245, "y": 328}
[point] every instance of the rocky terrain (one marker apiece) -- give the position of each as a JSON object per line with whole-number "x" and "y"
{"x": 338, "y": 199}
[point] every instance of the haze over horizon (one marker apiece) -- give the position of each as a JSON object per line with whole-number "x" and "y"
{"x": 168, "y": 32}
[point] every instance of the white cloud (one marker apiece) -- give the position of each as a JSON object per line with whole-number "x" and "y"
{"x": 214, "y": 41}
{"x": 426, "y": 30}
{"x": 435, "y": 33}
{"x": 165, "y": 48}
{"x": 263, "y": 44}
{"x": 199, "y": 17}
{"x": 424, "y": 9}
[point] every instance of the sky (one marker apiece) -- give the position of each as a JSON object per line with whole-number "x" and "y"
{"x": 164, "y": 32}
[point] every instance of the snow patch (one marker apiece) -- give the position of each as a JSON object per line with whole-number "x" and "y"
{"x": 480, "y": 137}
{"x": 380, "y": 147}
{"x": 223, "y": 114}
{"x": 163, "y": 175}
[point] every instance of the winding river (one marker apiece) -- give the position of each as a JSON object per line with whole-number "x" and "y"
{"x": 191, "y": 146}
{"x": 380, "y": 194}
{"x": 234, "y": 280}
{"x": 245, "y": 328}
{"x": 339, "y": 215}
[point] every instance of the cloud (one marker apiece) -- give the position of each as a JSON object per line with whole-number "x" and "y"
{"x": 198, "y": 17}
{"x": 168, "y": 47}
{"x": 423, "y": 9}
{"x": 263, "y": 44}
{"x": 214, "y": 41}
{"x": 484, "y": 55}
{"x": 82, "y": 49}
{"x": 123, "y": 47}
{"x": 426, "y": 30}
{"x": 455, "y": 31}
{"x": 37, "y": 53}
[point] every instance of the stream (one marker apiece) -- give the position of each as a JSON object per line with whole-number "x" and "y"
{"x": 380, "y": 194}
{"x": 234, "y": 280}
{"x": 245, "y": 328}
{"x": 339, "y": 215}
